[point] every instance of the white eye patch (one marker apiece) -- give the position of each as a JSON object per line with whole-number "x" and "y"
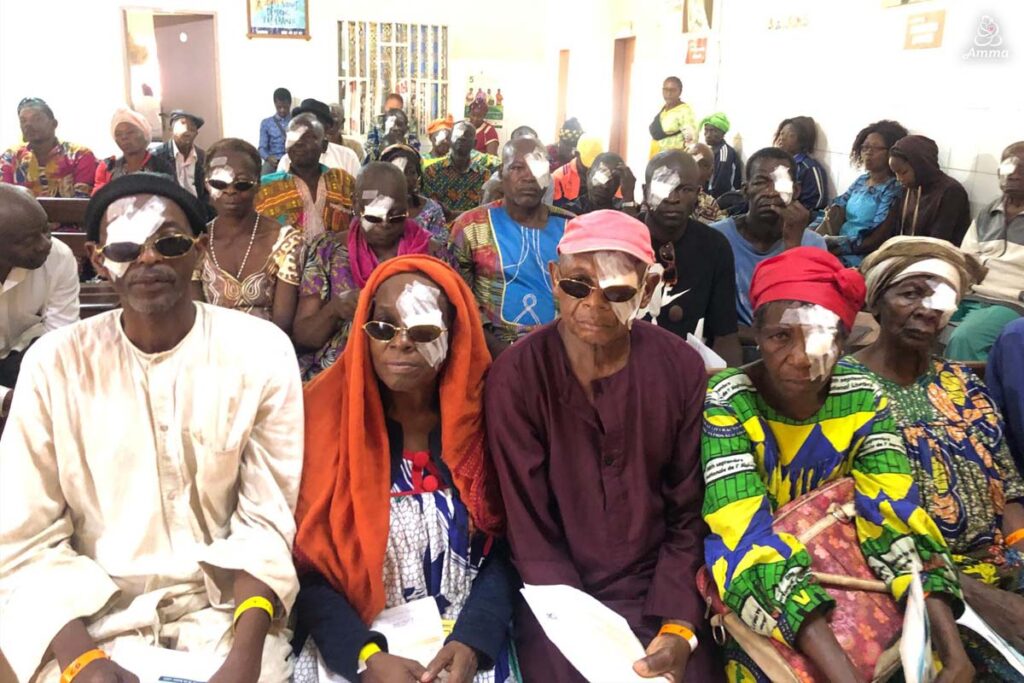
{"x": 400, "y": 162}
{"x": 378, "y": 208}
{"x": 460, "y": 132}
{"x": 294, "y": 135}
{"x": 943, "y": 299}
{"x": 601, "y": 176}
{"x": 389, "y": 123}
{"x": 540, "y": 168}
{"x": 221, "y": 172}
{"x": 130, "y": 224}
{"x": 820, "y": 328}
{"x": 1008, "y": 166}
{"x": 783, "y": 184}
{"x": 618, "y": 269}
{"x": 218, "y": 161}
{"x": 439, "y": 137}
{"x": 418, "y": 305}
{"x": 663, "y": 182}
{"x": 180, "y": 126}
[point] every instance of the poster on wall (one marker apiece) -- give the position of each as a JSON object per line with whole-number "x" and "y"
{"x": 900, "y": 3}
{"x": 696, "y": 50}
{"x": 278, "y": 18}
{"x": 924, "y": 31}
{"x": 480, "y": 87}
{"x": 698, "y": 15}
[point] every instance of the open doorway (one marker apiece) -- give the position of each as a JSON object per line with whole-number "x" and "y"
{"x": 172, "y": 64}
{"x": 622, "y": 73}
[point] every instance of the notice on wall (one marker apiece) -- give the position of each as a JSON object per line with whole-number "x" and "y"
{"x": 696, "y": 50}
{"x": 924, "y": 30}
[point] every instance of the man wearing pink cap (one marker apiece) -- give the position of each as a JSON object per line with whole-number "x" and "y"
{"x": 594, "y": 427}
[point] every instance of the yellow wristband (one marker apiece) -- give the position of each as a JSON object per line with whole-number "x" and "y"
{"x": 1016, "y": 537}
{"x": 681, "y": 631}
{"x": 83, "y": 660}
{"x": 369, "y": 650}
{"x": 255, "y": 602}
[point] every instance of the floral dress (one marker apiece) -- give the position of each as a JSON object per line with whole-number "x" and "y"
{"x": 255, "y": 293}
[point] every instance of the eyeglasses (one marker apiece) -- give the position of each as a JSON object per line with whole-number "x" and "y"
{"x": 616, "y": 294}
{"x": 667, "y": 257}
{"x": 377, "y": 220}
{"x": 239, "y": 185}
{"x": 167, "y": 246}
{"x": 419, "y": 334}
{"x": 869, "y": 149}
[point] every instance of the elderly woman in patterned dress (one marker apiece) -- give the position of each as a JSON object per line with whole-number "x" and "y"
{"x": 253, "y": 263}
{"x": 398, "y": 503}
{"x": 954, "y": 434}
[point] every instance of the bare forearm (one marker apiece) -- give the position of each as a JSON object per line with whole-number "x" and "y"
{"x": 1013, "y": 520}
{"x": 316, "y": 329}
{"x": 817, "y": 641}
{"x": 70, "y": 642}
{"x": 253, "y": 624}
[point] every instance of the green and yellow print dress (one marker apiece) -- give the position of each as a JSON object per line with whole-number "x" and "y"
{"x": 755, "y": 460}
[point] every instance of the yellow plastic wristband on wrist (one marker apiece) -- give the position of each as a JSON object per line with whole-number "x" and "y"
{"x": 369, "y": 650}
{"x": 1016, "y": 537}
{"x": 83, "y": 660}
{"x": 255, "y": 602}
{"x": 681, "y": 631}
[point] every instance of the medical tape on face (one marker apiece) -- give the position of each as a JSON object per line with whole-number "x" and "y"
{"x": 389, "y": 123}
{"x": 460, "y": 132}
{"x": 821, "y": 330}
{"x": 664, "y": 181}
{"x": 379, "y": 207}
{"x": 128, "y": 223}
{"x": 943, "y": 299}
{"x": 601, "y": 176}
{"x": 615, "y": 269}
{"x": 540, "y": 168}
{"x": 400, "y": 162}
{"x": 418, "y": 305}
{"x": 294, "y": 135}
{"x": 1008, "y": 166}
{"x": 180, "y": 126}
{"x": 220, "y": 171}
{"x": 783, "y": 183}
{"x": 439, "y": 137}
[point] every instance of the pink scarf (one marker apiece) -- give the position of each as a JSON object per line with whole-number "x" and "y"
{"x": 362, "y": 260}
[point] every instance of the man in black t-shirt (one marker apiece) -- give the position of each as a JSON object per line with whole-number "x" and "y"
{"x": 699, "y": 281}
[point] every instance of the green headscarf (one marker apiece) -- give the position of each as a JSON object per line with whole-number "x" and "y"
{"x": 718, "y": 120}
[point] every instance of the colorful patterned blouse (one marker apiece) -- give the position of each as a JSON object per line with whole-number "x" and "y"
{"x": 681, "y": 121}
{"x": 280, "y": 197}
{"x": 506, "y": 266}
{"x": 457, "y": 191}
{"x": 707, "y": 210}
{"x": 756, "y": 460}
{"x": 431, "y": 219}
{"x": 959, "y": 457}
{"x": 326, "y": 274}
{"x": 255, "y": 293}
{"x": 69, "y": 171}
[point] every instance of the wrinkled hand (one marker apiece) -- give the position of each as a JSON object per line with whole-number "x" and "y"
{"x": 238, "y": 668}
{"x": 795, "y": 218}
{"x": 385, "y": 668}
{"x": 834, "y": 244}
{"x": 667, "y": 656}
{"x": 105, "y": 671}
{"x": 956, "y": 670}
{"x": 459, "y": 660}
{"x": 344, "y": 304}
{"x": 627, "y": 183}
{"x": 1001, "y": 610}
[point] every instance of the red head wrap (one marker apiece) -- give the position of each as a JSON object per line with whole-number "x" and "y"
{"x": 811, "y": 275}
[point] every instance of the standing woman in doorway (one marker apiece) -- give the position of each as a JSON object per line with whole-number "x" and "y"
{"x": 253, "y": 263}
{"x": 132, "y": 133}
{"x": 675, "y": 126}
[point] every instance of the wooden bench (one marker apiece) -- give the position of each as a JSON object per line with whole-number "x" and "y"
{"x": 96, "y": 295}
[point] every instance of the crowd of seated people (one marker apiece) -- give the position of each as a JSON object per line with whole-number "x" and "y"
{"x": 547, "y": 378}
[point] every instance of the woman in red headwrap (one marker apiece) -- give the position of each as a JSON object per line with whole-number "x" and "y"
{"x": 788, "y": 425}
{"x": 398, "y": 501}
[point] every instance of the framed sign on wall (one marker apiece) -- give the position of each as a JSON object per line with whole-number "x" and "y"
{"x": 278, "y": 18}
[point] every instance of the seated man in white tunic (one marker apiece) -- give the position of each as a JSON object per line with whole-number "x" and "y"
{"x": 150, "y": 465}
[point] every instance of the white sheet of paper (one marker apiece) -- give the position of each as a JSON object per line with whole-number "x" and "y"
{"x": 595, "y": 639}
{"x": 712, "y": 361}
{"x": 413, "y": 630}
{"x": 159, "y": 665}
{"x": 916, "y": 641}
{"x": 973, "y": 621}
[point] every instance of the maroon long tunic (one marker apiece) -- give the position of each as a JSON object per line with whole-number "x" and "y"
{"x": 605, "y": 497}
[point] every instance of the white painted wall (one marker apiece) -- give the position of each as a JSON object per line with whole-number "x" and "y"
{"x": 85, "y": 82}
{"x": 847, "y": 68}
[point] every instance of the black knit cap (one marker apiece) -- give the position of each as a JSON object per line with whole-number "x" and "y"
{"x": 142, "y": 183}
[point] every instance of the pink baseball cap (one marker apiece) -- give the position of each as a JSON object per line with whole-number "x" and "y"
{"x": 607, "y": 230}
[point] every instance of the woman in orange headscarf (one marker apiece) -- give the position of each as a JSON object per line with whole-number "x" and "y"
{"x": 398, "y": 501}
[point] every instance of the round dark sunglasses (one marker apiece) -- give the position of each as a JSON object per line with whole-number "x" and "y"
{"x": 616, "y": 294}
{"x": 168, "y": 246}
{"x": 377, "y": 220}
{"x": 419, "y": 334}
{"x": 239, "y": 185}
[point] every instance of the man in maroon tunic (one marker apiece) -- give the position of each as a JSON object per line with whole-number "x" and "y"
{"x": 594, "y": 425}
